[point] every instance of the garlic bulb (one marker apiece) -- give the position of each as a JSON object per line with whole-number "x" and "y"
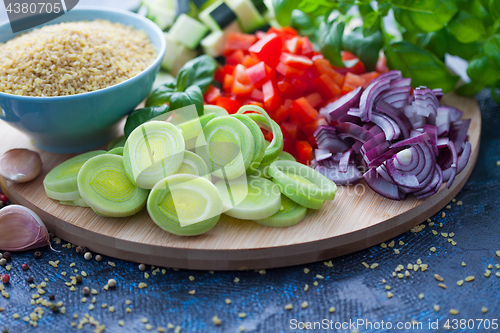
{"x": 21, "y": 229}
{"x": 20, "y": 165}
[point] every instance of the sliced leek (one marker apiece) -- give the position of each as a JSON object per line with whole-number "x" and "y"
{"x": 117, "y": 142}
{"x": 263, "y": 169}
{"x": 105, "y": 187}
{"x": 229, "y": 147}
{"x": 194, "y": 165}
{"x": 265, "y": 122}
{"x": 185, "y": 205}
{"x": 290, "y": 214}
{"x": 153, "y": 151}
{"x": 192, "y": 128}
{"x": 77, "y": 202}
{"x": 217, "y": 110}
{"x": 60, "y": 183}
{"x": 302, "y": 180}
{"x": 253, "y": 198}
{"x": 116, "y": 151}
{"x": 259, "y": 141}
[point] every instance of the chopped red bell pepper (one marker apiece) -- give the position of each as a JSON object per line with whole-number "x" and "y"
{"x": 221, "y": 73}
{"x": 258, "y": 73}
{"x": 249, "y": 60}
{"x": 294, "y": 45}
{"x": 238, "y": 41}
{"x": 381, "y": 65}
{"x": 235, "y": 58}
{"x": 257, "y": 95}
{"x": 289, "y": 131}
{"x": 315, "y": 99}
{"x": 304, "y": 110}
{"x": 296, "y": 61}
{"x": 283, "y": 112}
{"x": 242, "y": 86}
{"x": 212, "y": 94}
{"x": 272, "y": 98}
{"x": 369, "y": 77}
{"x": 267, "y": 49}
{"x": 351, "y": 82}
{"x": 268, "y": 136}
{"x": 227, "y": 85}
{"x": 230, "y": 105}
{"x": 307, "y": 47}
{"x": 323, "y": 66}
{"x": 289, "y": 71}
{"x": 311, "y": 126}
{"x": 303, "y": 152}
{"x": 326, "y": 86}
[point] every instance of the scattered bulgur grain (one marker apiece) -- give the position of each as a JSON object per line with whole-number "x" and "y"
{"x": 383, "y": 245}
{"x": 306, "y": 270}
{"x": 454, "y": 311}
{"x": 373, "y": 266}
{"x": 396, "y": 251}
{"x": 438, "y": 277}
{"x": 365, "y": 264}
{"x": 443, "y": 214}
{"x": 191, "y": 278}
{"x": 484, "y": 309}
{"x": 391, "y": 244}
{"x": 288, "y": 307}
{"x": 142, "y": 285}
{"x": 216, "y": 320}
{"x": 389, "y": 294}
{"x": 192, "y": 292}
{"x": 388, "y": 287}
{"x": 469, "y": 278}
{"x": 236, "y": 280}
{"x": 306, "y": 287}
{"x": 448, "y": 207}
{"x": 433, "y": 249}
{"x": 421, "y": 296}
{"x": 436, "y": 308}
{"x": 319, "y": 276}
{"x": 442, "y": 285}
{"x": 304, "y": 305}
{"x": 148, "y": 327}
{"x": 487, "y": 273}
{"x": 228, "y": 301}
{"x": 459, "y": 203}
{"x": 242, "y": 315}
{"x": 332, "y": 309}
{"x": 460, "y": 282}
{"x": 315, "y": 283}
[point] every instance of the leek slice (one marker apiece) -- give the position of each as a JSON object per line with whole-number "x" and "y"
{"x": 192, "y": 128}
{"x": 229, "y": 147}
{"x": 185, "y": 205}
{"x": 261, "y": 198}
{"x": 263, "y": 169}
{"x": 105, "y": 187}
{"x": 116, "y": 151}
{"x": 265, "y": 122}
{"x": 117, "y": 142}
{"x": 153, "y": 151}
{"x": 214, "y": 109}
{"x": 60, "y": 183}
{"x": 259, "y": 141}
{"x": 290, "y": 214}
{"x": 77, "y": 202}
{"x": 194, "y": 165}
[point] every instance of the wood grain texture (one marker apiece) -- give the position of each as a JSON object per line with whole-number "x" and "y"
{"x": 358, "y": 218}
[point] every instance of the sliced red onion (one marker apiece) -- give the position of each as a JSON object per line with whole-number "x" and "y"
{"x": 348, "y": 130}
{"x": 442, "y": 143}
{"x": 438, "y": 92}
{"x": 382, "y": 158}
{"x": 373, "y": 142}
{"x": 369, "y": 95}
{"x": 463, "y": 159}
{"x": 455, "y": 114}
{"x": 344, "y": 160}
{"x": 443, "y": 121}
{"x": 434, "y": 185}
{"x": 389, "y": 126}
{"x": 401, "y": 178}
{"x": 407, "y": 160}
{"x": 325, "y": 114}
{"x": 432, "y": 132}
{"x": 397, "y": 115}
{"x": 357, "y": 146}
{"x": 341, "y": 178}
{"x": 421, "y": 137}
{"x": 340, "y": 107}
{"x": 322, "y": 154}
{"x": 391, "y": 75}
{"x": 458, "y": 133}
{"x": 381, "y": 186}
{"x": 454, "y": 163}
{"x": 372, "y": 154}
{"x": 398, "y": 83}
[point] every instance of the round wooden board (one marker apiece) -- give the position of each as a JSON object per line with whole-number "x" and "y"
{"x": 358, "y": 218}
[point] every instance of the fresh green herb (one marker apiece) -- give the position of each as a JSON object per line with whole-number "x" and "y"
{"x": 428, "y": 30}
{"x": 140, "y": 116}
{"x": 192, "y": 95}
{"x": 197, "y": 72}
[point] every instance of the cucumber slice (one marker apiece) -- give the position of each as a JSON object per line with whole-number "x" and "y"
{"x": 264, "y": 121}
{"x": 153, "y": 151}
{"x": 263, "y": 169}
{"x": 259, "y": 140}
{"x": 229, "y": 147}
{"x": 194, "y": 165}
{"x": 248, "y": 16}
{"x": 303, "y": 180}
{"x": 185, "y": 205}
{"x": 290, "y": 214}
{"x": 161, "y": 12}
{"x": 60, "y": 183}
{"x": 116, "y": 151}
{"x": 188, "y": 31}
{"x": 214, "y": 109}
{"x": 192, "y": 128}
{"x": 213, "y": 43}
{"x": 176, "y": 56}
{"x": 261, "y": 198}
{"x": 105, "y": 187}
{"x": 117, "y": 142}
{"x": 217, "y": 16}
{"x": 77, "y": 202}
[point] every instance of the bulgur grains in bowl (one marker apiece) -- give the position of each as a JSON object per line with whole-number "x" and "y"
{"x": 73, "y": 58}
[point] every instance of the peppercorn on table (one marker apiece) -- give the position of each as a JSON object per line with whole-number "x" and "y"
{"x": 418, "y": 276}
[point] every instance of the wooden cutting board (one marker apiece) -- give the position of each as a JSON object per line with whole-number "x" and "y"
{"x": 358, "y": 218}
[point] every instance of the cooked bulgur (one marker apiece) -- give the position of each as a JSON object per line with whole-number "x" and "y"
{"x": 73, "y": 58}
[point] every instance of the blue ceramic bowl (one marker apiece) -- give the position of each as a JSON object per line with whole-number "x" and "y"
{"x": 76, "y": 123}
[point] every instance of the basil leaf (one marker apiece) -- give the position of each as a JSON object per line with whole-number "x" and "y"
{"x": 423, "y": 15}
{"x": 371, "y": 24}
{"x": 161, "y": 95}
{"x": 492, "y": 49}
{"x": 317, "y": 7}
{"x": 421, "y": 65}
{"x": 330, "y": 41}
{"x": 192, "y": 95}
{"x": 365, "y": 48}
{"x": 483, "y": 69}
{"x": 466, "y": 27}
{"x": 470, "y": 89}
{"x": 494, "y": 9}
{"x": 303, "y": 23}
{"x": 140, "y": 116}
{"x": 198, "y": 71}
{"x": 442, "y": 42}
{"x": 283, "y": 10}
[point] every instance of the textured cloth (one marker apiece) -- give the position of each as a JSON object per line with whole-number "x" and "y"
{"x": 356, "y": 292}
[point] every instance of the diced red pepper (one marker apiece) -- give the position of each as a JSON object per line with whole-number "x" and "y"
{"x": 381, "y": 65}
{"x": 314, "y": 99}
{"x": 292, "y": 87}
{"x": 369, "y": 77}
{"x": 257, "y": 95}
{"x": 272, "y": 98}
{"x": 235, "y": 58}
{"x": 260, "y": 34}
{"x": 326, "y": 86}
{"x": 283, "y": 112}
{"x": 346, "y": 55}
{"x": 289, "y": 32}
{"x": 311, "y": 126}
{"x": 295, "y": 118}
{"x": 294, "y": 45}
{"x": 304, "y": 110}
{"x": 289, "y": 131}
{"x": 291, "y": 128}
{"x": 303, "y": 151}
{"x": 212, "y": 94}
{"x": 259, "y": 104}
{"x": 227, "y": 85}
{"x": 296, "y": 61}
{"x": 267, "y": 49}
{"x": 238, "y": 41}
{"x": 221, "y": 73}
{"x": 230, "y": 105}
{"x": 268, "y": 136}
{"x": 323, "y": 66}
{"x": 289, "y": 71}
{"x": 307, "y": 47}
{"x": 242, "y": 85}
{"x": 258, "y": 73}
{"x": 249, "y": 60}
{"x": 351, "y": 82}
{"x": 312, "y": 141}
{"x": 357, "y": 68}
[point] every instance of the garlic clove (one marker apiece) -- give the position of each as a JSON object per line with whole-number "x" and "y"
{"x": 21, "y": 229}
{"x": 20, "y": 165}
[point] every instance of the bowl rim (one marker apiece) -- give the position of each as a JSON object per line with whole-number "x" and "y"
{"x": 159, "y": 57}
